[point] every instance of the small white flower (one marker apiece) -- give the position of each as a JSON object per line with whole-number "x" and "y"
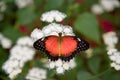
{"x": 53, "y": 15}
{"x": 111, "y": 51}
{"x": 97, "y": 9}
{"x": 36, "y": 74}
{"x": 23, "y": 3}
{"x": 112, "y": 57}
{"x": 53, "y": 27}
{"x": 117, "y": 67}
{"x": 14, "y": 73}
{"x": 60, "y": 70}
{"x": 59, "y": 63}
{"x": 52, "y": 65}
{"x": 67, "y": 30}
{"x": 113, "y": 64}
{"x": 6, "y": 43}
{"x": 72, "y": 63}
{"x": 36, "y": 34}
{"x": 25, "y": 41}
{"x": 3, "y": 6}
{"x": 66, "y": 66}
{"x": 110, "y": 39}
{"x": 107, "y": 5}
{"x": 116, "y": 3}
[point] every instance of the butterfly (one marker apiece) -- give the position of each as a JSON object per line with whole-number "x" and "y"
{"x": 61, "y": 47}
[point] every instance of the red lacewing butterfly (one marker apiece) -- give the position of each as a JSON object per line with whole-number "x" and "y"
{"x": 63, "y": 47}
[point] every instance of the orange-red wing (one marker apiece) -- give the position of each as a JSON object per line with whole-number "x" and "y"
{"x": 68, "y": 46}
{"x": 52, "y": 45}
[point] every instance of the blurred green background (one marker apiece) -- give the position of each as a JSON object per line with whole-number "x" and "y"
{"x": 19, "y": 22}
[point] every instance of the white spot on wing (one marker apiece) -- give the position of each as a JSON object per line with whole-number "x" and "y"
{"x": 78, "y": 39}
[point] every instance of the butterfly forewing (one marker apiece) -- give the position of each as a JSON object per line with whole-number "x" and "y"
{"x": 52, "y": 45}
{"x": 39, "y": 45}
{"x": 82, "y": 45}
{"x": 68, "y": 46}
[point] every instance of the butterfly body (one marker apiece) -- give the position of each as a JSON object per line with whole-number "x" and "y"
{"x": 63, "y": 47}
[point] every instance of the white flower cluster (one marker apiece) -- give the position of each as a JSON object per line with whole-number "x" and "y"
{"x": 3, "y": 7}
{"x": 19, "y": 55}
{"x": 61, "y": 66}
{"x": 36, "y": 74}
{"x": 53, "y": 15}
{"x": 105, "y": 5}
{"x": 5, "y": 42}
{"x": 110, "y": 39}
{"x": 23, "y": 3}
{"x": 52, "y": 29}
{"x": 114, "y": 56}
{"x": 25, "y": 41}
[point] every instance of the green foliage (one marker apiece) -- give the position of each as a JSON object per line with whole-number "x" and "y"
{"x": 53, "y": 4}
{"x": 94, "y": 64}
{"x": 3, "y": 57}
{"x": 12, "y": 33}
{"x": 83, "y": 75}
{"x": 87, "y": 24}
{"x": 26, "y": 15}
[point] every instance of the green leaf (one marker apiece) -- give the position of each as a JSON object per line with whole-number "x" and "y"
{"x": 67, "y": 75}
{"x": 12, "y": 33}
{"x": 87, "y": 24}
{"x": 26, "y": 15}
{"x": 72, "y": 72}
{"x": 8, "y": 0}
{"x": 112, "y": 76}
{"x": 51, "y": 73}
{"x": 53, "y": 4}
{"x": 94, "y": 64}
{"x": 116, "y": 77}
{"x": 3, "y": 57}
{"x": 19, "y": 77}
{"x": 83, "y": 75}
